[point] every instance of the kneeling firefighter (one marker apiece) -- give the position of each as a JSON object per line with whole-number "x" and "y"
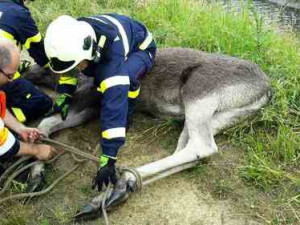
{"x": 117, "y": 51}
{"x": 18, "y": 142}
{"x": 24, "y": 100}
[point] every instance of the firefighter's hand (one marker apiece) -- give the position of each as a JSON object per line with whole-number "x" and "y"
{"x": 29, "y": 134}
{"x": 44, "y": 152}
{"x": 61, "y": 105}
{"x": 106, "y": 173}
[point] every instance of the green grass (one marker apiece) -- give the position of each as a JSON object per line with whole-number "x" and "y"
{"x": 271, "y": 141}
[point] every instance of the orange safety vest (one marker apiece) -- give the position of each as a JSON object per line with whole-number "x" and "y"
{"x": 2, "y": 104}
{"x": 3, "y": 130}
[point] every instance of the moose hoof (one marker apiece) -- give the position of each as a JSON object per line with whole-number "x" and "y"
{"x": 119, "y": 194}
{"x": 36, "y": 184}
{"x": 88, "y": 212}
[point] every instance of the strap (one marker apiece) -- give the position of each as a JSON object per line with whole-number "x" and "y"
{"x": 99, "y": 48}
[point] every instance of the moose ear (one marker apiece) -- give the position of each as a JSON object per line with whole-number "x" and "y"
{"x": 87, "y": 43}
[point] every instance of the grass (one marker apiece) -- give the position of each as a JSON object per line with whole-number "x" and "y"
{"x": 270, "y": 141}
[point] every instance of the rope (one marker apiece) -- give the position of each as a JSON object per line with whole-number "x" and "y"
{"x": 34, "y": 194}
{"x": 13, "y": 166}
{"x": 171, "y": 171}
{"x": 17, "y": 172}
{"x": 104, "y": 212}
{"x": 136, "y": 174}
{"x": 70, "y": 149}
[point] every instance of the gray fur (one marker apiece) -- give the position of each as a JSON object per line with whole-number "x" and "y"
{"x": 181, "y": 75}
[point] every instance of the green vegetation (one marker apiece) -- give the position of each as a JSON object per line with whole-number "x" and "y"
{"x": 270, "y": 141}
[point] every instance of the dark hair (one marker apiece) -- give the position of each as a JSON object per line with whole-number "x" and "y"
{"x": 5, "y": 56}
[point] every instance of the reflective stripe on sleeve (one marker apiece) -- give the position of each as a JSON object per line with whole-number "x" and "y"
{"x": 16, "y": 75}
{"x": 36, "y": 38}
{"x": 68, "y": 80}
{"x": 19, "y": 114}
{"x": 6, "y": 35}
{"x": 146, "y": 42}
{"x": 114, "y": 133}
{"x": 113, "y": 81}
{"x": 95, "y": 18}
{"x": 9, "y": 36}
{"x": 134, "y": 94}
{"x": 121, "y": 31}
{"x": 8, "y": 144}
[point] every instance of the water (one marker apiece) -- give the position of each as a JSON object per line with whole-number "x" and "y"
{"x": 286, "y": 18}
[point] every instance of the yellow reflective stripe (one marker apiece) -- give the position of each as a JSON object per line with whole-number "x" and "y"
{"x": 28, "y": 96}
{"x": 146, "y": 42}
{"x": 134, "y": 94}
{"x": 68, "y": 80}
{"x": 35, "y": 38}
{"x": 3, "y": 135}
{"x": 16, "y": 75}
{"x": 19, "y": 114}
{"x": 46, "y": 66}
{"x": 113, "y": 81}
{"x": 114, "y": 133}
{"x": 121, "y": 31}
{"x": 6, "y": 35}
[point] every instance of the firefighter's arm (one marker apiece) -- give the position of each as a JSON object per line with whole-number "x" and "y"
{"x": 114, "y": 107}
{"x": 30, "y": 37}
{"x": 27, "y": 134}
{"x": 66, "y": 87}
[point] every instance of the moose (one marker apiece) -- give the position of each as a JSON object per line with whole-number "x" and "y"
{"x": 209, "y": 92}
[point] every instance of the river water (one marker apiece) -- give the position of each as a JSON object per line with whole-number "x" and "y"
{"x": 286, "y": 18}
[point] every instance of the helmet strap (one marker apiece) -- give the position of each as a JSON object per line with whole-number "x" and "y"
{"x": 98, "y": 49}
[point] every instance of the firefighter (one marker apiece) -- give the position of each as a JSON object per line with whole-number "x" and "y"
{"x": 117, "y": 51}
{"x": 10, "y": 145}
{"x": 24, "y": 100}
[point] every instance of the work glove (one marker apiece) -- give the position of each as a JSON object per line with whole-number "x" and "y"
{"x": 106, "y": 172}
{"x": 24, "y": 66}
{"x": 61, "y": 105}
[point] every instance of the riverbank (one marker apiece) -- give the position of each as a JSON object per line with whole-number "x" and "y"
{"x": 294, "y": 4}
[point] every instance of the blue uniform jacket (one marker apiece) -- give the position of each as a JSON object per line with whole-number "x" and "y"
{"x": 128, "y": 48}
{"x": 17, "y": 24}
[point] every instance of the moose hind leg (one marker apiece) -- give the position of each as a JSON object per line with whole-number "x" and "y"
{"x": 225, "y": 119}
{"x": 183, "y": 139}
{"x": 200, "y": 139}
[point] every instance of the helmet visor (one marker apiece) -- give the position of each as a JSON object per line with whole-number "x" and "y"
{"x": 59, "y": 66}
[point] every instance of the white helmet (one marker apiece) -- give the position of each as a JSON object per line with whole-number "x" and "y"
{"x": 68, "y": 42}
